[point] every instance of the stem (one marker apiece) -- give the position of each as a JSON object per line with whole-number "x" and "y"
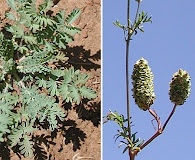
{"x": 127, "y": 68}
{"x": 132, "y": 155}
{"x": 129, "y": 34}
{"x": 159, "y": 131}
{"x": 171, "y": 114}
{"x": 153, "y": 113}
{"x": 137, "y": 12}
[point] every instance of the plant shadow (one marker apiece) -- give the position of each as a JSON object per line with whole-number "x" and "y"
{"x": 4, "y": 151}
{"x": 72, "y": 134}
{"x": 81, "y": 58}
{"x": 90, "y": 111}
{"x": 42, "y": 143}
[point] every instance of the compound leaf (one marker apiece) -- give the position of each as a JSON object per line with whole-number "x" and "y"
{"x": 73, "y": 16}
{"x": 74, "y": 94}
{"x": 52, "y": 87}
{"x": 26, "y": 147}
{"x": 87, "y": 92}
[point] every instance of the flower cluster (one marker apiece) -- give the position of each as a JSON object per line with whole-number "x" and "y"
{"x": 179, "y": 87}
{"x": 143, "y": 86}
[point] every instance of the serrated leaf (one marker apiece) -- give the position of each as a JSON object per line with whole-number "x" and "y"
{"x": 12, "y": 4}
{"x": 63, "y": 89}
{"x": 34, "y": 27}
{"x": 41, "y": 82}
{"x": 87, "y": 92}
{"x": 73, "y": 16}
{"x": 74, "y": 94}
{"x": 58, "y": 73}
{"x": 17, "y": 31}
{"x": 29, "y": 39}
{"x": 22, "y": 49}
{"x": 11, "y": 16}
{"x": 26, "y": 147}
{"x": 60, "y": 17}
{"x": 44, "y": 7}
{"x": 71, "y": 30}
{"x": 15, "y": 136}
{"x": 80, "y": 78}
{"x": 61, "y": 57}
{"x": 5, "y": 119}
{"x": 53, "y": 113}
{"x": 49, "y": 47}
{"x": 19, "y": 132}
{"x": 68, "y": 74}
{"x": 52, "y": 87}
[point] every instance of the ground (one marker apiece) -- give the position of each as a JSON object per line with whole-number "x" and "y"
{"x": 80, "y": 133}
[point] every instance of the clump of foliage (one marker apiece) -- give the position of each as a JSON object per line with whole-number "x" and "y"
{"x": 143, "y": 89}
{"x": 30, "y": 89}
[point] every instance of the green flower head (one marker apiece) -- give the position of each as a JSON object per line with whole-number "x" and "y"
{"x": 180, "y": 87}
{"x": 143, "y": 87}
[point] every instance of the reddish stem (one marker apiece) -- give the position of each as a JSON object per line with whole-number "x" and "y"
{"x": 157, "y": 133}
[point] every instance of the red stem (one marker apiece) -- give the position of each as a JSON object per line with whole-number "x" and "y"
{"x": 157, "y": 133}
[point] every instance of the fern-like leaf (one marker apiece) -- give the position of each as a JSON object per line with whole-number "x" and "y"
{"x": 44, "y": 7}
{"x": 52, "y": 115}
{"x": 41, "y": 82}
{"x": 16, "y": 135}
{"x": 20, "y": 132}
{"x": 63, "y": 90}
{"x": 52, "y": 87}
{"x": 12, "y": 4}
{"x": 26, "y": 147}
{"x": 35, "y": 63}
{"x": 73, "y": 95}
{"x": 87, "y": 92}
{"x": 73, "y": 16}
{"x": 16, "y": 30}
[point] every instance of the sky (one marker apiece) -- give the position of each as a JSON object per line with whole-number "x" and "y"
{"x": 168, "y": 44}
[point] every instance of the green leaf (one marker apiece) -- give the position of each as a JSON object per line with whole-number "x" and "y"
{"x": 59, "y": 18}
{"x": 80, "y": 78}
{"x": 57, "y": 73}
{"x": 52, "y": 115}
{"x": 63, "y": 89}
{"x": 46, "y": 6}
{"x": 26, "y": 147}
{"x": 20, "y": 132}
{"x": 41, "y": 82}
{"x": 117, "y": 23}
{"x": 52, "y": 87}
{"x": 11, "y": 16}
{"x": 12, "y": 4}
{"x": 17, "y": 31}
{"x": 15, "y": 136}
{"x": 74, "y": 94}
{"x": 87, "y": 93}
{"x": 127, "y": 147}
{"x": 29, "y": 39}
{"x": 71, "y": 30}
{"x": 68, "y": 74}
{"x": 34, "y": 27}
{"x": 73, "y": 16}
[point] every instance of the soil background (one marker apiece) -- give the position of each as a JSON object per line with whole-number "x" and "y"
{"x": 80, "y": 134}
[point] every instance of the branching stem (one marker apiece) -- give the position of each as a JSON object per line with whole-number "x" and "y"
{"x": 137, "y": 12}
{"x": 157, "y": 133}
{"x": 131, "y": 29}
